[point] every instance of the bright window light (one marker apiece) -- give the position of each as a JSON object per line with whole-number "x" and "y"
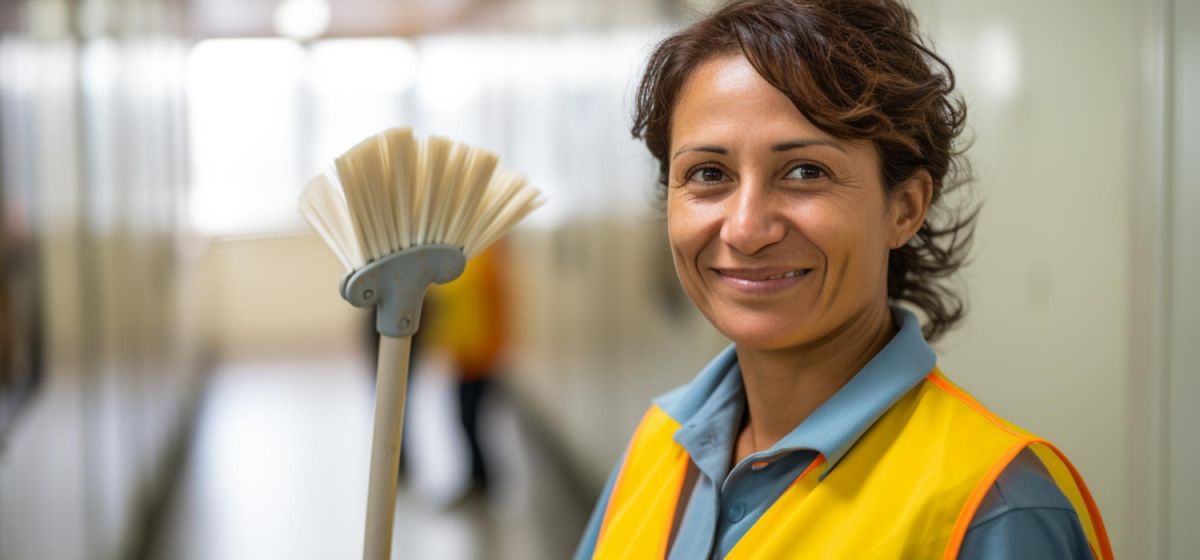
{"x": 358, "y": 87}
{"x": 243, "y": 118}
{"x": 362, "y": 66}
{"x": 267, "y": 114}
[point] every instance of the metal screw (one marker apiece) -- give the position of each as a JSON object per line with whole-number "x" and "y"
{"x": 368, "y": 294}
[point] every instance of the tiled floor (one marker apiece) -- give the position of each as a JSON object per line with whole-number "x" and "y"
{"x": 278, "y": 469}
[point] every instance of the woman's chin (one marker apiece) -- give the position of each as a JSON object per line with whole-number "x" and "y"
{"x": 759, "y": 334}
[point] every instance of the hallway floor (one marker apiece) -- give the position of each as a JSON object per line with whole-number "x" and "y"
{"x": 278, "y": 469}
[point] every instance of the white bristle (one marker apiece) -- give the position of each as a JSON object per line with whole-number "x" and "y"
{"x": 443, "y": 200}
{"x": 477, "y": 176}
{"x": 401, "y": 156}
{"x": 392, "y": 191}
{"x": 324, "y": 208}
{"x": 525, "y": 202}
{"x": 435, "y": 153}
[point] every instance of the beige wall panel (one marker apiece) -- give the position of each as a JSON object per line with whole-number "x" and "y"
{"x": 278, "y": 296}
{"x": 1183, "y": 447}
{"x": 42, "y": 477}
{"x": 1053, "y": 108}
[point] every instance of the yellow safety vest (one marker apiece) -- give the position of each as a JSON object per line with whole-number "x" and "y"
{"x": 908, "y": 488}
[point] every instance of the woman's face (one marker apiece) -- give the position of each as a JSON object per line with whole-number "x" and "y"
{"x": 779, "y": 231}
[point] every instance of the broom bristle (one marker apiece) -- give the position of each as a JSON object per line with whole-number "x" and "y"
{"x": 392, "y": 191}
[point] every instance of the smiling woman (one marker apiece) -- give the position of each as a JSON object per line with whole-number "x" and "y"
{"x": 780, "y": 231}
{"x": 805, "y": 150}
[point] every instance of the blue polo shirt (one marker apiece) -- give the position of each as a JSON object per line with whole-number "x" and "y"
{"x": 1023, "y": 515}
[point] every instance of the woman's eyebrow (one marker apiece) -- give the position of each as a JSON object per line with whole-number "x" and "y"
{"x": 712, "y": 149}
{"x": 780, "y": 147}
{"x": 804, "y": 143}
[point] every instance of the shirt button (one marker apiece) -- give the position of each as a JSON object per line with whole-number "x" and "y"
{"x": 737, "y": 512}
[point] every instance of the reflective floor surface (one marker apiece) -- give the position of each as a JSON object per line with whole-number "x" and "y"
{"x": 277, "y": 468}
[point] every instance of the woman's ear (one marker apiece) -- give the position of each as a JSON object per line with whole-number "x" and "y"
{"x": 909, "y": 205}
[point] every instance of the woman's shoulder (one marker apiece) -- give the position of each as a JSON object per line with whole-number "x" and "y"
{"x": 1024, "y": 484}
{"x": 1025, "y": 514}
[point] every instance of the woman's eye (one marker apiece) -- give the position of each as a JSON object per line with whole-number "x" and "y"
{"x": 707, "y": 175}
{"x": 806, "y": 171}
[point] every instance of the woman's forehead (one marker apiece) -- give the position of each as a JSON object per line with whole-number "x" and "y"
{"x": 725, "y": 101}
{"x": 728, "y": 92}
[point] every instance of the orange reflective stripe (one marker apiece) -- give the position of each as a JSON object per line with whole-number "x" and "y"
{"x": 946, "y": 385}
{"x": 666, "y": 540}
{"x": 641, "y": 508}
{"x": 1079, "y": 495}
{"x": 622, "y": 477}
{"x": 976, "y": 497}
{"x": 820, "y": 460}
{"x": 789, "y": 504}
{"x": 1060, "y": 468}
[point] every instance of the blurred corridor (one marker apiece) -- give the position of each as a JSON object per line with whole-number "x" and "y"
{"x": 268, "y": 478}
{"x": 179, "y": 378}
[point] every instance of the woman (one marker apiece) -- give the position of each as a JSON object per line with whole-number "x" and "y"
{"x": 805, "y": 151}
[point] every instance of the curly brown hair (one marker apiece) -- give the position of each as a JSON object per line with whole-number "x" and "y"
{"x": 857, "y": 69}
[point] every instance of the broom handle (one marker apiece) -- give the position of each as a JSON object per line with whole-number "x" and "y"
{"x": 391, "y": 381}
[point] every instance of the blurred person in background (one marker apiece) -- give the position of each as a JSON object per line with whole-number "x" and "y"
{"x": 806, "y": 149}
{"x": 463, "y": 330}
{"x": 467, "y": 333}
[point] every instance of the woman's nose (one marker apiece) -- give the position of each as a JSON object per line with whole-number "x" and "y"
{"x": 751, "y": 222}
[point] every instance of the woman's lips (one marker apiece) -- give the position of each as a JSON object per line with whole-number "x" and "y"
{"x": 761, "y": 281}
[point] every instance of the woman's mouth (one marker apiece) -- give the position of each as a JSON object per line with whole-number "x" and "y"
{"x": 761, "y": 281}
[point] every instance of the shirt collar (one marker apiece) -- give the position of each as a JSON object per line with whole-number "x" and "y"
{"x": 709, "y": 409}
{"x": 709, "y": 412}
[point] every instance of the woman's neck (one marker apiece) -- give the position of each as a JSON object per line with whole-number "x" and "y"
{"x": 783, "y": 387}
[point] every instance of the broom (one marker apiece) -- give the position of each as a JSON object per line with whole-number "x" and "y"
{"x": 402, "y": 213}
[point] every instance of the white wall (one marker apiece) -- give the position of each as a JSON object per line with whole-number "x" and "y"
{"x": 1052, "y": 90}
{"x": 1183, "y": 498}
{"x": 93, "y": 132}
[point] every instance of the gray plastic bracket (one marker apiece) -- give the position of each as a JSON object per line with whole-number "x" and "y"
{"x": 397, "y": 284}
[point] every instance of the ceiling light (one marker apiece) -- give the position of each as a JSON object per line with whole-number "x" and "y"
{"x": 302, "y": 19}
